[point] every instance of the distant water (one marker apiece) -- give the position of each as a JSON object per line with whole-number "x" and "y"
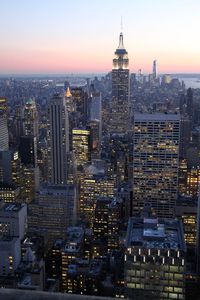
{"x": 79, "y": 79}
{"x": 191, "y": 80}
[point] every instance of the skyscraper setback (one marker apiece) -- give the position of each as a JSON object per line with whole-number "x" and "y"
{"x": 120, "y": 110}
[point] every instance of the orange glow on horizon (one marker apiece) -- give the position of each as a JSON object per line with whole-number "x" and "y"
{"x": 63, "y": 62}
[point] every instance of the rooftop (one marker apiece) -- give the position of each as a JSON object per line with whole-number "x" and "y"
{"x": 155, "y": 233}
{"x": 97, "y": 167}
{"x": 12, "y": 207}
{"x": 56, "y": 190}
{"x": 156, "y": 117}
{"x": 74, "y": 239}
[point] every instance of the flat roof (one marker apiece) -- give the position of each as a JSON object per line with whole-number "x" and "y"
{"x": 155, "y": 233}
{"x": 141, "y": 117}
{"x": 12, "y": 207}
{"x": 74, "y": 237}
{"x": 56, "y": 190}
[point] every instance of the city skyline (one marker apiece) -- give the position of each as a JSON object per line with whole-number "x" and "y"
{"x": 77, "y": 36}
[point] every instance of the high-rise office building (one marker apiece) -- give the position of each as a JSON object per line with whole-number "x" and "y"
{"x": 154, "y": 259}
{"x": 81, "y": 145}
{"x": 3, "y": 125}
{"x": 13, "y": 220}
{"x": 6, "y": 166}
{"x": 72, "y": 249}
{"x": 185, "y": 135}
{"x": 3, "y": 106}
{"x": 96, "y": 106}
{"x": 30, "y": 118}
{"x": 154, "y": 70}
{"x": 186, "y": 210}
{"x": 29, "y": 183}
{"x": 198, "y": 237}
{"x": 120, "y": 114}
{"x": 193, "y": 181}
{"x": 70, "y": 104}
{"x": 10, "y": 167}
{"x": 107, "y": 216}
{"x": 95, "y": 138}
{"x": 95, "y": 123}
{"x": 53, "y": 210}
{"x": 17, "y": 125}
{"x": 82, "y": 105}
{"x": 155, "y": 162}
{"x": 10, "y": 252}
{"x": 93, "y": 184}
{"x": 58, "y": 139}
{"x": 9, "y": 193}
{"x": 189, "y": 102}
{"x": 28, "y": 150}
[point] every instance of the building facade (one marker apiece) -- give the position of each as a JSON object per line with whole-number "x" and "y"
{"x": 155, "y": 162}
{"x": 58, "y": 139}
{"x": 154, "y": 259}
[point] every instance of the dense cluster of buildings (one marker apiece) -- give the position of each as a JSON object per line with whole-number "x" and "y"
{"x": 99, "y": 185}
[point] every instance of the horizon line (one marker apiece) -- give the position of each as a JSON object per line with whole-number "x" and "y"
{"x": 88, "y": 73}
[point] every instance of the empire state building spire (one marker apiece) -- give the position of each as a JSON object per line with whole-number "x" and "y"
{"x": 121, "y": 41}
{"x": 121, "y": 55}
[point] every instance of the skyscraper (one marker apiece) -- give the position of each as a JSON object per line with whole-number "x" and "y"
{"x": 53, "y": 210}
{"x": 28, "y": 142}
{"x": 3, "y": 125}
{"x": 189, "y": 102}
{"x": 31, "y": 118}
{"x": 120, "y": 115}
{"x": 28, "y": 150}
{"x": 58, "y": 139}
{"x": 154, "y": 70}
{"x": 155, "y": 162}
{"x": 81, "y": 145}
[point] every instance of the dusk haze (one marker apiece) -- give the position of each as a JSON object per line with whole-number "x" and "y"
{"x": 79, "y": 36}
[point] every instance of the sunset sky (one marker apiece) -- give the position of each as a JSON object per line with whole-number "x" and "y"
{"x": 63, "y": 36}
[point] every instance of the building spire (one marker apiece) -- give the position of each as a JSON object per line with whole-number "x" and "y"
{"x": 121, "y": 25}
{"x": 121, "y": 41}
{"x": 68, "y": 93}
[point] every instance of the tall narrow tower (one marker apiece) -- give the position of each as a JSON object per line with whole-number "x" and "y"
{"x": 119, "y": 122}
{"x": 3, "y": 124}
{"x": 154, "y": 70}
{"x": 58, "y": 139}
{"x": 31, "y": 118}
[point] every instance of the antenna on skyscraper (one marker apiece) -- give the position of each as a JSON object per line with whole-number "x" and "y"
{"x": 121, "y": 24}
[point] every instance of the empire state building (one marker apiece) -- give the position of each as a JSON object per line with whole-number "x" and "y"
{"x": 120, "y": 115}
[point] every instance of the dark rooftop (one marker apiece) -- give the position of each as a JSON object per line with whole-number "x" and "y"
{"x": 12, "y": 207}
{"x": 155, "y": 233}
